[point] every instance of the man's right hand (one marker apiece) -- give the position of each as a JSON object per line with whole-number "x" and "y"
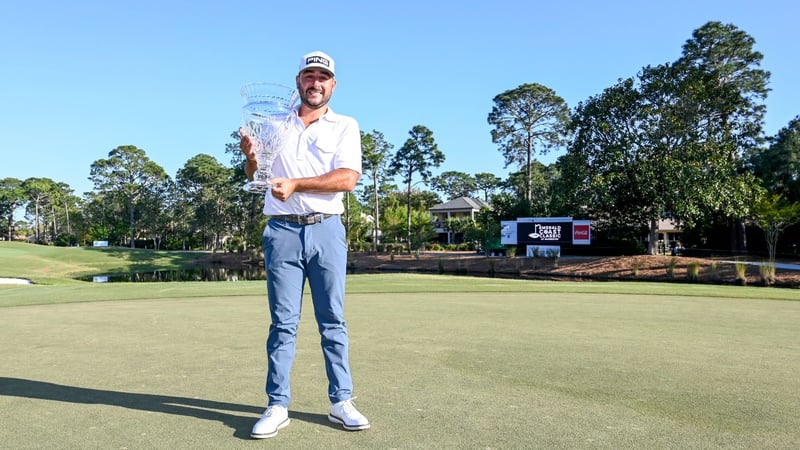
{"x": 246, "y": 146}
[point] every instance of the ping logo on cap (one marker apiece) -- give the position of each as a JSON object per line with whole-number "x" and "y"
{"x": 316, "y": 59}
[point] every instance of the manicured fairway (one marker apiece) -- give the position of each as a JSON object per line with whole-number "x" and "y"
{"x": 439, "y": 362}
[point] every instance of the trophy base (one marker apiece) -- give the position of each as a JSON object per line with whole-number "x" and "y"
{"x": 256, "y": 187}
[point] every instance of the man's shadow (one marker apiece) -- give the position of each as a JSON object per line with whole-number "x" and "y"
{"x": 183, "y": 406}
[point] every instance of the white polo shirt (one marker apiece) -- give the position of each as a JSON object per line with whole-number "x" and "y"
{"x": 332, "y": 142}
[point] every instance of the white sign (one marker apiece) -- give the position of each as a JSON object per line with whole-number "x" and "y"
{"x": 508, "y": 232}
{"x": 543, "y": 251}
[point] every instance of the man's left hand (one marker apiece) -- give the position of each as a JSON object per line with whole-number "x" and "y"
{"x": 282, "y": 188}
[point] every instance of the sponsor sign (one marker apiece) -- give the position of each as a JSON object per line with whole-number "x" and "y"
{"x": 581, "y": 232}
{"x": 545, "y": 231}
{"x": 508, "y": 232}
{"x": 540, "y": 232}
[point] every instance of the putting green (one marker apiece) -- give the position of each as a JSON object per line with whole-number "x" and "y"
{"x": 442, "y": 362}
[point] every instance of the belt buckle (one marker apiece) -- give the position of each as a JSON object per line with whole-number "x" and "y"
{"x": 306, "y": 219}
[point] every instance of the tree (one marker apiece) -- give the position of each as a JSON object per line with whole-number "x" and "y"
{"x": 456, "y": 226}
{"x": 541, "y": 180}
{"x": 159, "y": 211}
{"x": 374, "y": 158}
{"x": 246, "y": 207}
{"x": 105, "y": 216}
{"x": 421, "y": 231}
{"x": 773, "y": 214}
{"x": 359, "y": 227}
{"x": 454, "y": 184}
{"x": 417, "y": 156}
{"x": 393, "y": 220}
{"x": 207, "y": 185}
{"x": 667, "y": 144}
{"x": 487, "y": 183}
{"x": 723, "y": 92}
{"x": 622, "y": 164}
{"x": 778, "y": 166}
{"x": 525, "y": 119}
{"x": 485, "y": 230}
{"x": 571, "y": 190}
{"x": 12, "y": 197}
{"x": 62, "y": 200}
{"x": 128, "y": 174}
{"x": 40, "y": 193}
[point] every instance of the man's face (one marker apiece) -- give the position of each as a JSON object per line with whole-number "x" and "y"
{"x": 315, "y": 86}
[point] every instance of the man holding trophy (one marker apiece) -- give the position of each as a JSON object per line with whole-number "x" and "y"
{"x": 317, "y": 159}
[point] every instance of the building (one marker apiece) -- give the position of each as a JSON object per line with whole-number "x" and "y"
{"x": 462, "y": 208}
{"x": 669, "y": 234}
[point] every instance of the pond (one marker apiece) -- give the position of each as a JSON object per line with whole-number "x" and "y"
{"x": 199, "y": 274}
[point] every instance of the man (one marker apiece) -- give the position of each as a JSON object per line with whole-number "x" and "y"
{"x": 319, "y": 159}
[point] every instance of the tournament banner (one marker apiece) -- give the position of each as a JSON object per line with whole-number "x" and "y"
{"x": 545, "y": 231}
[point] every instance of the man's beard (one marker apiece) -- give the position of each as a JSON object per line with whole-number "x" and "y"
{"x": 322, "y": 104}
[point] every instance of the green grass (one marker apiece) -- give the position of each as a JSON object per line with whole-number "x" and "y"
{"x": 60, "y": 265}
{"x": 438, "y": 361}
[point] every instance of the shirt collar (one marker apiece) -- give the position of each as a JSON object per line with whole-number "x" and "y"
{"x": 329, "y": 115}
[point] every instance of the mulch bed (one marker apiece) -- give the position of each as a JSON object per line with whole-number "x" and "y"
{"x": 642, "y": 267}
{"x": 659, "y": 268}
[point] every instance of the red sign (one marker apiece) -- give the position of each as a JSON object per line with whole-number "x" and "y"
{"x": 581, "y": 232}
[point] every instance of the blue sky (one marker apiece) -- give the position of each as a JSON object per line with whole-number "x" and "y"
{"x": 81, "y": 78}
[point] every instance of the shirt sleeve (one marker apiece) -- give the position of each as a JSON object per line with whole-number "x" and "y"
{"x": 348, "y": 155}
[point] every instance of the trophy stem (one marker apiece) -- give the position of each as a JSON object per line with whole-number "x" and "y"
{"x": 256, "y": 187}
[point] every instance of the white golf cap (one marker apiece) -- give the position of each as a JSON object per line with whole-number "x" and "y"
{"x": 317, "y": 59}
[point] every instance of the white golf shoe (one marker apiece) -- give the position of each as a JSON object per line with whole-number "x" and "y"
{"x": 346, "y": 414}
{"x": 273, "y": 419}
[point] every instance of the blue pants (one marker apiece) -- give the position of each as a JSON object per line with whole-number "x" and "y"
{"x": 292, "y": 254}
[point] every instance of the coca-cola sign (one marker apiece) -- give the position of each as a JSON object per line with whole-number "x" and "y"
{"x": 581, "y": 232}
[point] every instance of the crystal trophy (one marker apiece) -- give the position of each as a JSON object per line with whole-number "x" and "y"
{"x": 265, "y": 116}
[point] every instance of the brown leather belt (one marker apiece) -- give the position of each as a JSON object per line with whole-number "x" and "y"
{"x": 303, "y": 219}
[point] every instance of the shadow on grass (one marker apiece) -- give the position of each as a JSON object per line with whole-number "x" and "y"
{"x": 182, "y": 406}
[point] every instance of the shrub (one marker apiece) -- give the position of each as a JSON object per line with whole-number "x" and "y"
{"x": 553, "y": 254}
{"x": 741, "y": 273}
{"x": 767, "y": 272}
{"x": 714, "y": 271}
{"x": 693, "y": 271}
{"x": 673, "y": 262}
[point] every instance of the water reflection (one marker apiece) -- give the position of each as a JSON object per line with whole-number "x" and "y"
{"x": 202, "y": 274}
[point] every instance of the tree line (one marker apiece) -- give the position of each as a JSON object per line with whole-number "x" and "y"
{"x": 681, "y": 140}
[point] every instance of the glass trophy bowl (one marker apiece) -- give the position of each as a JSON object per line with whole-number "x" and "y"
{"x": 265, "y": 117}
